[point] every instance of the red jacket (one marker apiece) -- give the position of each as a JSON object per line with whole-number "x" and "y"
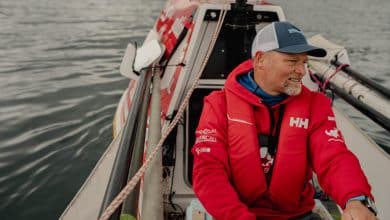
{"x": 227, "y": 174}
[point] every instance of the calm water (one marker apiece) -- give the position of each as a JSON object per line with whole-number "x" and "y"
{"x": 59, "y": 84}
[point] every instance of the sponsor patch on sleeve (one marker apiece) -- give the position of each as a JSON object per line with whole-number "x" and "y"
{"x": 206, "y": 135}
{"x": 200, "y": 150}
{"x": 334, "y": 134}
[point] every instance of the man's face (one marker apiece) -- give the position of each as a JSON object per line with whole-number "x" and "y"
{"x": 282, "y": 72}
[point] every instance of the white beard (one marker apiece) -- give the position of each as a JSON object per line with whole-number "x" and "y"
{"x": 293, "y": 90}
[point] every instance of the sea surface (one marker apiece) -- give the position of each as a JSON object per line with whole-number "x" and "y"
{"x": 60, "y": 84}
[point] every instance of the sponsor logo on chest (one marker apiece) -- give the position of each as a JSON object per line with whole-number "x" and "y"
{"x": 299, "y": 122}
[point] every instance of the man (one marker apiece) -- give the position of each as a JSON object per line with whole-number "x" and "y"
{"x": 259, "y": 140}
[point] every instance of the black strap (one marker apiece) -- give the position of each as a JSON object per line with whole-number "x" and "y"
{"x": 272, "y": 139}
{"x": 275, "y": 138}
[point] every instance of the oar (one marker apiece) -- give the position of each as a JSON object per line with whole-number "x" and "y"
{"x": 367, "y": 110}
{"x": 118, "y": 177}
{"x": 364, "y": 98}
{"x": 363, "y": 79}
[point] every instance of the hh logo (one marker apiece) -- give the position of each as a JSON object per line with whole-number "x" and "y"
{"x": 299, "y": 122}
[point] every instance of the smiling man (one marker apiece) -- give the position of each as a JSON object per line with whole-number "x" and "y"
{"x": 269, "y": 134}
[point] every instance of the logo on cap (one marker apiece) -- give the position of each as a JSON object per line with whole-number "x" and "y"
{"x": 292, "y": 30}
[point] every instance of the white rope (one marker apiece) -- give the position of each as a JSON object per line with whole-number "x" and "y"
{"x": 133, "y": 182}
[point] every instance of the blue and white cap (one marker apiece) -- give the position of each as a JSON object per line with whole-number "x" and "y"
{"x": 286, "y": 38}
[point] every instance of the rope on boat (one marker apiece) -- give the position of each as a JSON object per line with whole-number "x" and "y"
{"x": 323, "y": 85}
{"x": 133, "y": 182}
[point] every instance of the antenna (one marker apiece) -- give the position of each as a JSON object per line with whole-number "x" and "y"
{"x": 240, "y": 5}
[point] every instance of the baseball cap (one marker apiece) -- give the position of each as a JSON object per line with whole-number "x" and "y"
{"x": 286, "y": 38}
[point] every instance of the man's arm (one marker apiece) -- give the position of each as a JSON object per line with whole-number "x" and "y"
{"x": 211, "y": 169}
{"x": 337, "y": 168}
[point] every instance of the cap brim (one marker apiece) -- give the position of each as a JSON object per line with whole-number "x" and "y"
{"x": 303, "y": 48}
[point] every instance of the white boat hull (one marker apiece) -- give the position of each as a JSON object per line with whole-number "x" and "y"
{"x": 175, "y": 83}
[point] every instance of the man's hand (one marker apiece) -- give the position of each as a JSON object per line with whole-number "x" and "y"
{"x": 355, "y": 210}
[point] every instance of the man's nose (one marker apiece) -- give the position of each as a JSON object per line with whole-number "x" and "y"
{"x": 300, "y": 68}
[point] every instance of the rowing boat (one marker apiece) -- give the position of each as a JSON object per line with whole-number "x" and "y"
{"x": 189, "y": 53}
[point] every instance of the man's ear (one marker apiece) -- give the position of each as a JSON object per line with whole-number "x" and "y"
{"x": 258, "y": 59}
